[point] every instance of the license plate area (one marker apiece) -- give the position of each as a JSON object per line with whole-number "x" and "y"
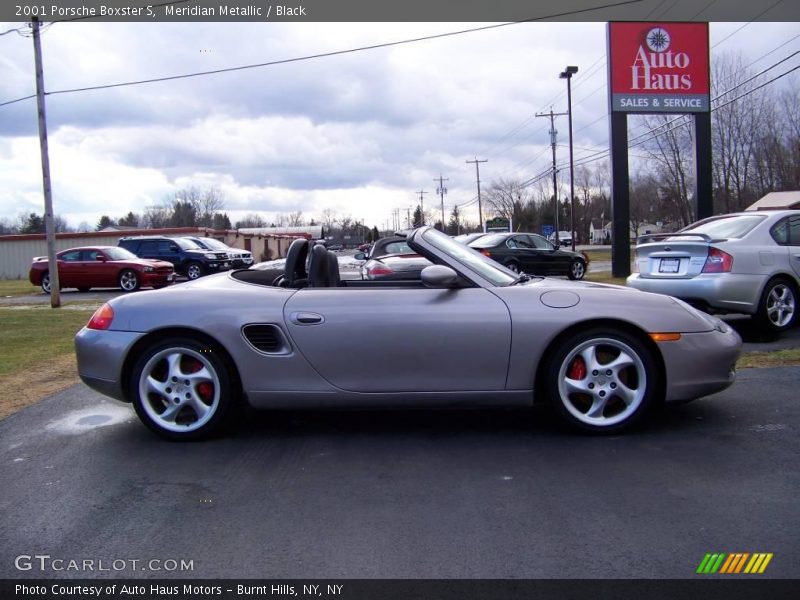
{"x": 669, "y": 265}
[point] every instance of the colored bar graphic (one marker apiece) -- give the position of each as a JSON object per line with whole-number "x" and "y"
{"x": 733, "y": 563}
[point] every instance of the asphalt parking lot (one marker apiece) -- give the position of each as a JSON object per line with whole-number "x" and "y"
{"x": 428, "y": 494}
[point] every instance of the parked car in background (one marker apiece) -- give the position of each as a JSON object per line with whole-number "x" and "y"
{"x": 742, "y": 262}
{"x": 101, "y": 266}
{"x": 532, "y": 254}
{"x": 391, "y": 258}
{"x": 601, "y": 356}
{"x": 186, "y": 257}
{"x": 240, "y": 259}
{"x": 564, "y": 238}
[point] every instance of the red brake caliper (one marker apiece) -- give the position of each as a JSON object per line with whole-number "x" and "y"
{"x": 577, "y": 370}
{"x": 204, "y": 389}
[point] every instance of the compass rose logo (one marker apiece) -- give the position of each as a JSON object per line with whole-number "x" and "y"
{"x": 658, "y": 39}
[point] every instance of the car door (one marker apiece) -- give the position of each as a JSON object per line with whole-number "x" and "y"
{"x": 530, "y": 257}
{"x": 402, "y": 340}
{"x": 69, "y": 269}
{"x": 552, "y": 260}
{"x": 99, "y": 270}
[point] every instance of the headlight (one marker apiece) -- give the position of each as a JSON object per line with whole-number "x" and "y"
{"x": 149, "y": 269}
{"x": 210, "y": 256}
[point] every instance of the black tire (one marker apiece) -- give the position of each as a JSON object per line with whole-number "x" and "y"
{"x": 777, "y": 309}
{"x": 46, "y": 282}
{"x": 83, "y": 290}
{"x": 129, "y": 280}
{"x": 195, "y": 270}
{"x": 577, "y": 269}
{"x": 169, "y": 406}
{"x": 513, "y": 266}
{"x": 605, "y": 399}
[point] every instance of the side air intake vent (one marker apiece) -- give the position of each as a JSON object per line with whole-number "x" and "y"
{"x": 266, "y": 338}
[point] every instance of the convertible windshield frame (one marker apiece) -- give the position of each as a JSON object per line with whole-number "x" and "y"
{"x": 494, "y": 274}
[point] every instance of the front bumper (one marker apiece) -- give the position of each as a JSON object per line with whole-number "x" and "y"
{"x": 101, "y": 356}
{"x": 157, "y": 279}
{"x": 722, "y": 291}
{"x": 217, "y": 266}
{"x": 700, "y": 364}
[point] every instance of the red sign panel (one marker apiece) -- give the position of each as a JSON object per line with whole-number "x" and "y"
{"x": 658, "y": 67}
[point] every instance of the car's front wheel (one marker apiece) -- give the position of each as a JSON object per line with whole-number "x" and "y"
{"x": 513, "y": 267}
{"x": 181, "y": 389}
{"x": 194, "y": 270}
{"x": 577, "y": 269}
{"x": 601, "y": 381}
{"x": 129, "y": 280}
{"x": 778, "y": 307}
{"x": 46, "y": 283}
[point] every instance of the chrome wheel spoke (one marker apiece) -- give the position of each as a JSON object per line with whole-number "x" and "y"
{"x": 575, "y": 386}
{"x": 198, "y": 377}
{"x": 201, "y": 409}
{"x": 597, "y": 408}
{"x": 627, "y": 394}
{"x": 170, "y": 413}
{"x": 157, "y": 387}
{"x": 622, "y": 362}
{"x": 589, "y": 356}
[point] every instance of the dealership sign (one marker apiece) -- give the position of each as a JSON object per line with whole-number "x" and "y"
{"x": 658, "y": 67}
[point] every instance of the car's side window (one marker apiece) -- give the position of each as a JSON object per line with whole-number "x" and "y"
{"x": 780, "y": 232}
{"x": 91, "y": 254}
{"x": 523, "y": 241}
{"x": 794, "y": 231}
{"x": 541, "y": 243}
{"x": 167, "y": 247}
{"x": 73, "y": 256}
{"x": 148, "y": 248}
{"x": 512, "y": 243}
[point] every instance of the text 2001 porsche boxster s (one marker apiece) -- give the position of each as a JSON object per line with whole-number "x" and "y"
{"x": 469, "y": 332}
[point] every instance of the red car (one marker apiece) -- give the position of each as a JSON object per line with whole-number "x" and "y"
{"x": 102, "y": 266}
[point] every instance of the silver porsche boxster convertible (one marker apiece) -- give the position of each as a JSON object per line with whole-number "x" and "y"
{"x": 467, "y": 333}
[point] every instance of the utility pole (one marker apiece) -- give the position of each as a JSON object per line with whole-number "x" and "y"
{"x": 49, "y": 224}
{"x": 441, "y": 190}
{"x": 408, "y": 218}
{"x": 553, "y": 135}
{"x": 421, "y": 209}
{"x": 478, "y": 179}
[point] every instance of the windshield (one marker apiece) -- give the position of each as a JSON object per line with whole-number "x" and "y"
{"x": 185, "y": 244}
{"x": 214, "y": 244}
{"x": 483, "y": 266}
{"x": 119, "y": 254}
{"x": 725, "y": 227}
{"x": 487, "y": 241}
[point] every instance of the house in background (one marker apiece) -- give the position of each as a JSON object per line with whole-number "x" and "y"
{"x": 775, "y": 200}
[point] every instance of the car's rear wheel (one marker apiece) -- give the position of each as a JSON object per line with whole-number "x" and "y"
{"x": 83, "y": 290}
{"x": 194, "y": 270}
{"x": 181, "y": 389}
{"x": 778, "y": 307}
{"x": 46, "y": 283}
{"x": 513, "y": 266}
{"x": 601, "y": 381}
{"x": 577, "y": 269}
{"x": 129, "y": 280}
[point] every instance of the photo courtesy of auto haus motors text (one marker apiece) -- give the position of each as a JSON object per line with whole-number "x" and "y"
{"x": 184, "y": 590}
{"x": 659, "y": 67}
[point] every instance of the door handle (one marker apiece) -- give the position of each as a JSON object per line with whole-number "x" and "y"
{"x": 306, "y": 318}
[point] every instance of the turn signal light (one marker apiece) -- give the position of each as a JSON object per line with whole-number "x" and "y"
{"x": 665, "y": 337}
{"x": 102, "y": 317}
{"x": 486, "y": 253}
{"x": 718, "y": 261}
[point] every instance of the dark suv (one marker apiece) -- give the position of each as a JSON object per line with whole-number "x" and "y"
{"x": 189, "y": 258}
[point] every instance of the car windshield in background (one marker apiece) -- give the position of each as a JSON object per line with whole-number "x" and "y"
{"x": 214, "y": 244}
{"x": 485, "y": 267}
{"x": 487, "y": 241}
{"x": 726, "y": 227}
{"x": 185, "y": 244}
{"x": 398, "y": 248}
{"x": 120, "y": 254}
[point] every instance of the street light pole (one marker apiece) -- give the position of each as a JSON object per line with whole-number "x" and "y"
{"x": 567, "y": 74}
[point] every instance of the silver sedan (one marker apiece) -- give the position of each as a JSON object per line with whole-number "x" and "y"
{"x": 467, "y": 333}
{"x": 742, "y": 262}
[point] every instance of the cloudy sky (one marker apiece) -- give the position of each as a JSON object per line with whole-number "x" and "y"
{"x": 358, "y": 133}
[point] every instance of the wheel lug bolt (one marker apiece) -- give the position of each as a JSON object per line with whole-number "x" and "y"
{"x": 169, "y": 390}
{"x": 602, "y": 394}
{"x": 174, "y": 379}
{"x": 613, "y": 386}
{"x": 186, "y": 382}
{"x": 177, "y": 400}
{"x": 591, "y": 386}
{"x": 595, "y": 373}
{"x": 608, "y": 372}
{"x": 188, "y": 396}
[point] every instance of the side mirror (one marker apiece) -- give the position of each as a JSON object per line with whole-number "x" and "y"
{"x": 100, "y": 258}
{"x": 173, "y": 248}
{"x": 360, "y": 256}
{"x": 438, "y": 277}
